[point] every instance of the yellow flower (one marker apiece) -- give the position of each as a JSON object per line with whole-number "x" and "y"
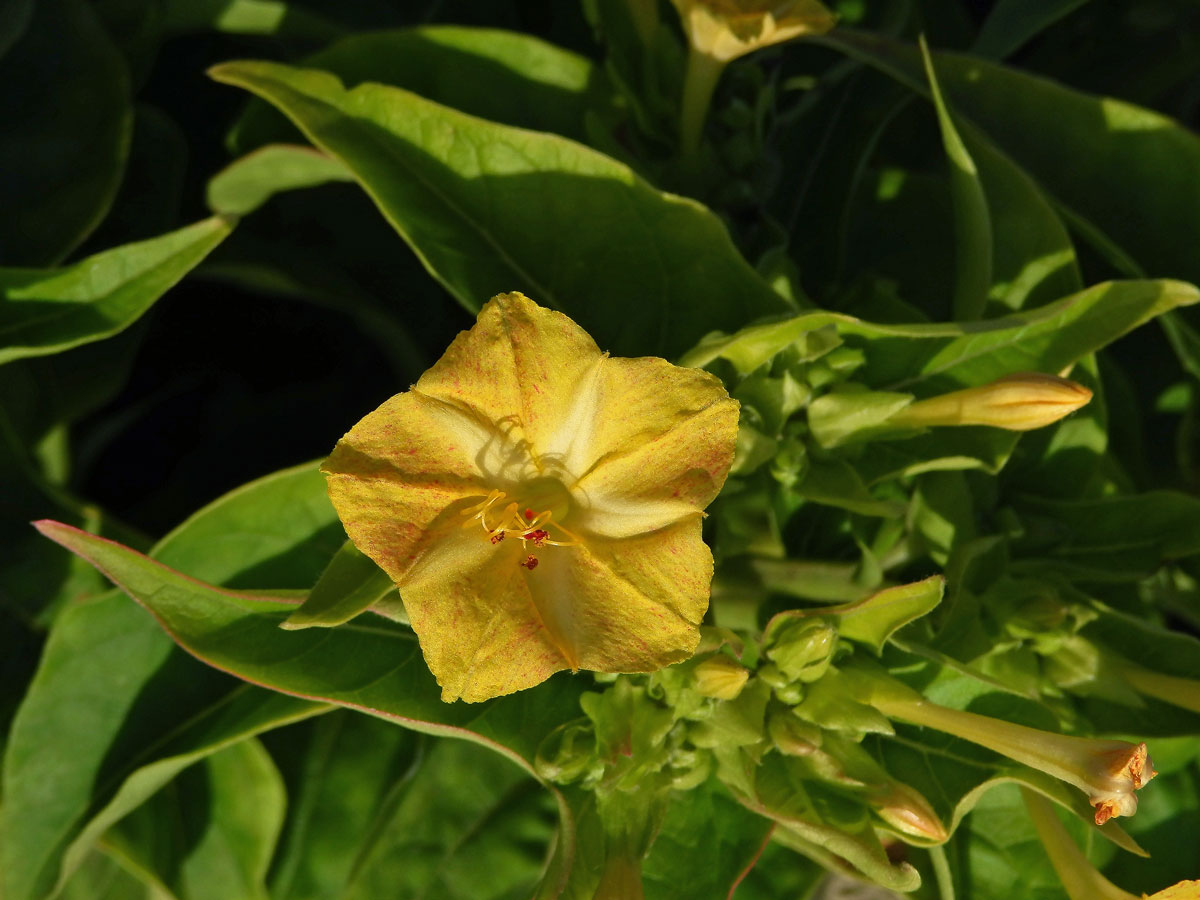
{"x": 1019, "y": 402}
{"x": 538, "y": 503}
{"x": 727, "y": 29}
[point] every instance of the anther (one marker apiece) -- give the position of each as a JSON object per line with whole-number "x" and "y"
{"x": 538, "y": 536}
{"x": 498, "y": 537}
{"x": 531, "y": 563}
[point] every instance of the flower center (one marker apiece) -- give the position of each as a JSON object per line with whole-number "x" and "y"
{"x": 533, "y": 514}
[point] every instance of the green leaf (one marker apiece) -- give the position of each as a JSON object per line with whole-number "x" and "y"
{"x": 375, "y": 667}
{"x": 465, "y": 826}
{"x": 973, "y": 222}
{"x": 112, "y": 689}
{"x": 280, "y": 18}
{"x": 350, "y": 584}
{"x": 1097, "y": 156}
{"x": 46, "y": 311}
{"x": 1012, "y": 23}
{"x": 815, "y": 819}
{"x": 1091, "y": 540}
{"x": 876, "y": 618}
{"x": 840, "y": 417}
{"x": 489, "y": 207}
{"x": 63, "y": 154}
{"x": 504, "y": 76}
{"x": 705, "y": 845}
{"x": 221, "y": 846}
{"x": 347, "y": 776}
{"x": 247, "y": 183}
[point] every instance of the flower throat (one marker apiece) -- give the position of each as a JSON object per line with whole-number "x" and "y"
{"x": 545, "y": 503}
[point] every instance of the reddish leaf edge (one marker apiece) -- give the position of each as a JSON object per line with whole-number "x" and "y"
{"x": 66, "y": 537}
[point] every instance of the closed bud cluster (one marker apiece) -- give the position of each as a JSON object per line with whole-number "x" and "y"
{"x": 803, "y": 649}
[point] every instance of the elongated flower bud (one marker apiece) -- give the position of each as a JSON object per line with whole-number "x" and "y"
{"x": 1019, "y": 402}
{"x": 907, "y": 811}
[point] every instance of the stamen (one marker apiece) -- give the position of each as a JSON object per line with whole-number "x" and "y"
{"x": 498, "y": 537}
{"x": 538, "y": 536}
{"x": 531, "y": 563}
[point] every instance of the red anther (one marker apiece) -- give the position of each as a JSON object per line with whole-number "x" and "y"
{"x": 497, "y": 538}
{"x": 530, "y": 563}
{"x": 538, "y": 536}
{"x": 529, "y": 515}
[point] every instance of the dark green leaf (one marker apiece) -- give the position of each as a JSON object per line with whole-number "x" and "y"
{"x": 62, "y": 162}
{"x": 210, "y": 833}
{"x": 491, "y": 208}
{"x": 46, "y": 311}
{"x": 349, "y": 585}
{"x": 246, "y": 184}
{"x": 500, "y": 75}
{"x": 111, "y": 689}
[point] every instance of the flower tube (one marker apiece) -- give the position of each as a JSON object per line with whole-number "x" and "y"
{"x": 1109, "y": 772}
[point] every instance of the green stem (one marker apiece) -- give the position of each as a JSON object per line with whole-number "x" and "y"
{"x": 941, "y": 871}
{"x": 703, "y": 72}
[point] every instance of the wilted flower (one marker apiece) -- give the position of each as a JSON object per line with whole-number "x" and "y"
{"x": 1019, "y": 402}
{"x": 1108, "y": 771}
{"x": 538, "y": 503}
{"x": 727, "y": 29}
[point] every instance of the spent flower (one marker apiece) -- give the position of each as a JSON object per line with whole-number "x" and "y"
{"x": 538, "y": 503}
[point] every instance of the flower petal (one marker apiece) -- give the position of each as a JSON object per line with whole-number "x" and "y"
{"x": 480, "y": 630}
{"x": 400, "y": 468}
{"x": 629, "y": 605}
{"x": 655, "y": 448}
{"x": 520, "y": 367}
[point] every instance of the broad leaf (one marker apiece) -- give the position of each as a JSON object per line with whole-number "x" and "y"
{"x": 705, "y": 845}
{"x": 60, "y": 167}
{"x": 500, "y": 75}
{"x": 111, "y": 688}
{"x": 246, "y": 184}
{"x": 46, "y": 311}
{"x": 374, "y": 666}
{"x": 350, "y": 584}
{"x": 972, "y": 219}
{"x": 488, "y": 208}
{"x": 210, "y": 833}
{"x": 465, "y": 826}
{"x": 1100, "y": 157}
{"x": 346, "y": 775}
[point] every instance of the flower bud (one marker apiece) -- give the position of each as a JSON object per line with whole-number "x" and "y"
{"x": 727, "y": 29}
{"x": 803, "y": 649}
{"x": 1019, "y": 402}
{"x": 793, "y": 736}
{"x": 906, "y": 810}
{"x": 720, "y": 677}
